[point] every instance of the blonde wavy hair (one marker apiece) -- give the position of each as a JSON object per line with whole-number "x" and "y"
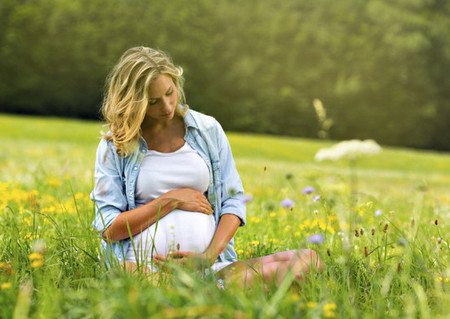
{"x": 127, "y": 93}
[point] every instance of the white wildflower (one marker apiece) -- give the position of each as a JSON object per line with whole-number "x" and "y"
{"x": 351, "y": 150}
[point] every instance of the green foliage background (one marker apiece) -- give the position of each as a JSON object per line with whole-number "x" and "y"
{"x": 380, "y": 67}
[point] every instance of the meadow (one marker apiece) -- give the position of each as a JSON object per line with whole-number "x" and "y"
{"x": 384, "y": 246}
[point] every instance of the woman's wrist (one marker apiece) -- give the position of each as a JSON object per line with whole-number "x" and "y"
{"x": 168, "y": 201}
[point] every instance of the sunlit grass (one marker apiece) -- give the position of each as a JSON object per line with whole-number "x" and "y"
{"x": 401, "y": 270}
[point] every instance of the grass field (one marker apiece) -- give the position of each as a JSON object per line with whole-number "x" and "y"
{"x": 49, "y": 269}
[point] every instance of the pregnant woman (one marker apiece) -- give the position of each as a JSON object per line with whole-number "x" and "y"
{"x": 166, "y": 185}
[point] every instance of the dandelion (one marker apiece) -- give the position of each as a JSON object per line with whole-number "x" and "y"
{"x": 377, "y": 213}
{"x": 316, "y": 198}
{"x": 272, "y": 215}
{"x": 35, "y": 256}
{"x": 247, "y": 198}
{"x": 37, "y": 263}
{"x": 255, "y": 220}
{"x": 308, "y": 190}
{"x": 6, "y": 285}
{"x": 37, "y": 260}
{"x": 311, "y": 304}
{"x": 315, "y": 239}
{"x": 328, "y": 310}
{"x": 288, "y": 203}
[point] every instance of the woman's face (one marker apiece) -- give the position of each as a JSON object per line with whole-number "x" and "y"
{"x": 163, "y": 96}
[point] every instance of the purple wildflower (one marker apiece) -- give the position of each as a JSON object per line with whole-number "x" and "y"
{"x": 315, "y": 239}
{"x": 308, "y": 190}
{"x": 287, "y": 203}
{"x": 316, "y": 198}
{"x": 247, "y": 198}
{"x": 378, "y": 213}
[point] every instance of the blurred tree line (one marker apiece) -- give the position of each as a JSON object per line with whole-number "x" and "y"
{"x": 380, "y": 67}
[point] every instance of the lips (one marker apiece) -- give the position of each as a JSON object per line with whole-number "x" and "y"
{"x": 168, "y": 114}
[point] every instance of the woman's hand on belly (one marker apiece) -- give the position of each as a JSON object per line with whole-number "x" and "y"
{"x": 185, "y": 259}
{"x": 190, "y": 200}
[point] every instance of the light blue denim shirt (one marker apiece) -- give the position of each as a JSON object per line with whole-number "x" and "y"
{"x": 115, "y": 181}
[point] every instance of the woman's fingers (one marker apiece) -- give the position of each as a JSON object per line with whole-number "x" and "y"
{"x": 192, "y": 200}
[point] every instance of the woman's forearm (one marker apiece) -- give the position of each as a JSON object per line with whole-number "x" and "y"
{"x": 228, "y": 225}
{"x": 142, "y": 217}
{"x": 138, "y": 219}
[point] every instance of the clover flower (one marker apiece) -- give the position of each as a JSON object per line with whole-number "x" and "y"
{"x": 246, "y": 198}
{"x": 315, "y": 239}
{"x": 351, "y": 149}
{"x": 308, "y": 190}
{"x": 287, "y": 203}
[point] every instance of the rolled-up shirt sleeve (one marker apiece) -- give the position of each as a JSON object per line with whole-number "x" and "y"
{"x": 108, "y": 194}
{"x": 232, "y": 190}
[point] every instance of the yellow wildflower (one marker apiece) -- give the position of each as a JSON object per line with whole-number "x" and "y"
{"x": 272, "y": 215}
{"x": 330, "y": 306}
{"x": 311, "y": 304}
{"x": 53, "y": 181}
{"x": 255, "y": 220}
{"x": 6, "y": 285}
{"x": 37, "y": 263}
{"x": 35, "y": 256}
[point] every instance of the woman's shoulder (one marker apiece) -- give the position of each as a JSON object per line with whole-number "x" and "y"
{"x": 200, "y": 120}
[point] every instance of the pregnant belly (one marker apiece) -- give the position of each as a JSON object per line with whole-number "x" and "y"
{"x": 178, "y": 230}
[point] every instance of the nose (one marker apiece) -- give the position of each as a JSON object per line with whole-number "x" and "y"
{"x": 166, "y": 107}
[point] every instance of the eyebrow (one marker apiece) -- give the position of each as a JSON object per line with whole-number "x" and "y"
{"x": 157, "y": 98}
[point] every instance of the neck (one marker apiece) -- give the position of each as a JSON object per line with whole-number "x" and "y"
{"x": 151, "y": 125}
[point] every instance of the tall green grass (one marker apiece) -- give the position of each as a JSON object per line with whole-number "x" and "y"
{"x": 46, "y": 174}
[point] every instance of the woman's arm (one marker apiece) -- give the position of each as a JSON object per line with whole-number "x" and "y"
{"x": 138, "y": 219}
{"x": 228, "y": 225}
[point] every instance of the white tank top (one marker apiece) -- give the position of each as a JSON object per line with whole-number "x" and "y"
{"x": 178, "y": 230}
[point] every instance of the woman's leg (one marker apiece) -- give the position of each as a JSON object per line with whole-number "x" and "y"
{"x": 272, "y": 269}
